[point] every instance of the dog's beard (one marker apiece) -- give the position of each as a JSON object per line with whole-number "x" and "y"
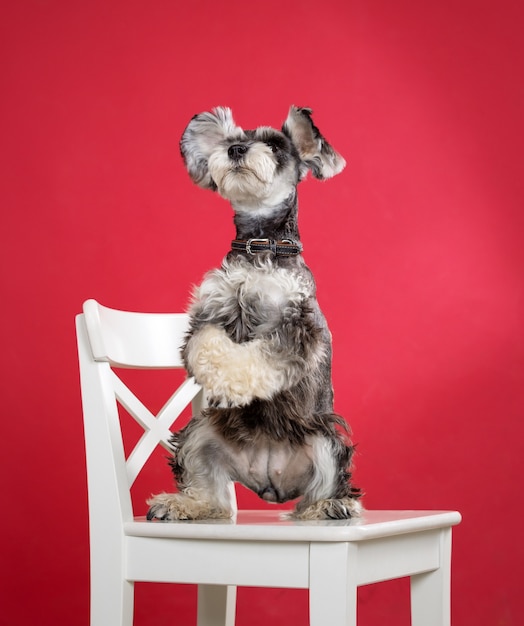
{"x": 241, "y": 184}
{"x": 254, "y": 177}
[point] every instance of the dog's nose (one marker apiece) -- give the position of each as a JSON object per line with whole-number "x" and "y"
{"x": 237, "y": 151}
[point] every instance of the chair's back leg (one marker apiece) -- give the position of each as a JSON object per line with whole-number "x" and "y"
{"x": 216, "y": 605}
{"x": 112, "y": 600}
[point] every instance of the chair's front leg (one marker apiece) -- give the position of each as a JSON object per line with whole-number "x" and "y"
{"x": 216, "y": 605}
{"x": 430, "y": 591}
{"x": 333, "y": 584}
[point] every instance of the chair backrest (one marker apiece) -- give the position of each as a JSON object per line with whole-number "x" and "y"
{"x": 109, "y": 339}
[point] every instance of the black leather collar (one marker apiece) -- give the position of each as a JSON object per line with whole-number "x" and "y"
{"x": 284, "y": 247}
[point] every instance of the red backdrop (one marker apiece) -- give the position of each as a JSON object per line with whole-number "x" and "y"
{"x": 417, "y": 249}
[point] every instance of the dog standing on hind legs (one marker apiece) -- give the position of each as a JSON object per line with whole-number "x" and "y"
{"x": 258, "y": 342}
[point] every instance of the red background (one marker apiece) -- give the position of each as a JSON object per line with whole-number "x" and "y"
{"x": 417, "y": 248}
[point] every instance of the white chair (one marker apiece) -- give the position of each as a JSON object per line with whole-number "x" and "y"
{"x": 256, "y": 548}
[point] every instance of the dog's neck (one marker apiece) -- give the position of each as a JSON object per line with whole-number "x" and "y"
{"x": 277, "y": 224}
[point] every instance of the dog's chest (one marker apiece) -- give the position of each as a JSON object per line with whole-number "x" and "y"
{"x": 258, "y": 293}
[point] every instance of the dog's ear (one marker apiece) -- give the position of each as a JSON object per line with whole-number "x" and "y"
{"x": 315, "y": 152}
{"x": 202, "y": 136}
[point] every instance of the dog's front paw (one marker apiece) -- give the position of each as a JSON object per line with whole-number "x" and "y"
{"x": 233, "y": 374}
{"x": 170, "y": 507}
{"x": 220, "y": 403}
{"x": 230, "y": 396}
{"x": 329, "y": 508}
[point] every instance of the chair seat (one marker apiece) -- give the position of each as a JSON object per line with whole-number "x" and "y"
{"x": 273, "y": 526}
{"x": 261, "y": 549}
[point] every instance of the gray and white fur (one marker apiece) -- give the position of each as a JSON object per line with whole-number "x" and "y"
{"x": 258, "y": 342}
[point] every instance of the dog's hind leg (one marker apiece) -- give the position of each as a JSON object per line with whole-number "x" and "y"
{"x": 329, "y": 508}
{"x": 189, "y": 504}
{"x": 202, "y": 477}
{"x": 329, "y": 494}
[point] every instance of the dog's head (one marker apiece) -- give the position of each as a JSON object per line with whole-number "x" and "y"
{"x": 256, "y": 169}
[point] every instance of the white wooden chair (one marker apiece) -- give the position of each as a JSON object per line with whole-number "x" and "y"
{"x": 256, "y": 548}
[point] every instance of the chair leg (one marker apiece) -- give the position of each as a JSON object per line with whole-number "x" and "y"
{"x": 333, "y": 584}
{"x": 112, "y": 603}
{"x": 430, "y": 591}
{"x": 216, "y": 605}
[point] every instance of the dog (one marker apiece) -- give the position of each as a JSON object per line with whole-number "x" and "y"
{"x": 258, "y": 342}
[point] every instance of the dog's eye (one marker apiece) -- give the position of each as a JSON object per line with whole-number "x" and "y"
{"x": 273, "y": 146}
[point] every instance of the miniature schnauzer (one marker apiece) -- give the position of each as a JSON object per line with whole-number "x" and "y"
{"x": 258, "y": 342}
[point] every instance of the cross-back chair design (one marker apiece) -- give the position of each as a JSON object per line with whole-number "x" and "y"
{"x": 255, "y": 548}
